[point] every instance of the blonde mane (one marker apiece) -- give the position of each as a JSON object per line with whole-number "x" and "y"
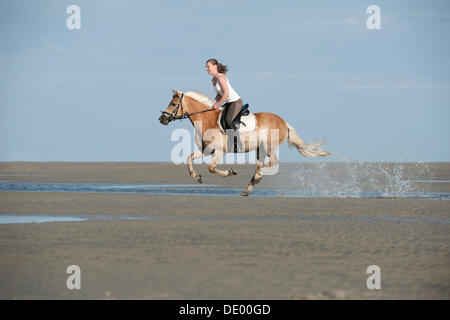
{"x": 200, "y": 97}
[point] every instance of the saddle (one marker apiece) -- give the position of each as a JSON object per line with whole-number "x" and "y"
{"x": 237, "y": 121}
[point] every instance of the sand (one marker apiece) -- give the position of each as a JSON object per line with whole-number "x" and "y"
{"x": 208, "y": 247}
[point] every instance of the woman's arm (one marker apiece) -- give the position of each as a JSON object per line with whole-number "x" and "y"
{"x": 217, "y": 98}
{"x": 223, "y": 84}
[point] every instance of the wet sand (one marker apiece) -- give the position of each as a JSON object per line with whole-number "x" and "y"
{"x": 208, "y": 247}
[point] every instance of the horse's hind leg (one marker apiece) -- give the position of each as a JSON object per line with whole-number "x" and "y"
{"x": 273, "y": 162}
{"x": 195, "y": 155}
{"x": 260, "y": 156}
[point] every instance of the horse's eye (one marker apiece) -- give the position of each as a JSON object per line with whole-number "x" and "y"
{"x": 173, "y": 104}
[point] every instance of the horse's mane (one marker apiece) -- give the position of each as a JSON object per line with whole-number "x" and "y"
{"x": 200, "y": 97}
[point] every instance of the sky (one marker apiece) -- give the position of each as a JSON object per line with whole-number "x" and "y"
{"x": 95, "y": 93}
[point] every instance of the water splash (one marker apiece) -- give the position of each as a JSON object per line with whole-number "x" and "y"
{"x": 356, "y": 179}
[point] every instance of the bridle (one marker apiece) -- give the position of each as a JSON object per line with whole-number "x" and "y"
{"x": 172, "y": 116}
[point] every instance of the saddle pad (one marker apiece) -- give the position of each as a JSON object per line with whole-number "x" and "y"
{"x": 249, "y": 121}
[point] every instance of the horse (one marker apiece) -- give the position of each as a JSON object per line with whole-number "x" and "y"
{"x": 210, "y": 140}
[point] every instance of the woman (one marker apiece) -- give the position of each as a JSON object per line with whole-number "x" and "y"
{"x": 225, "y": 93}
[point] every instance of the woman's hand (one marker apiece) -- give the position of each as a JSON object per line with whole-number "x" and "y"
{"x": 216, "y": 106}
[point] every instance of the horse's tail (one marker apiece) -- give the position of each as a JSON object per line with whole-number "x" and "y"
{"x": 308, "y": 150}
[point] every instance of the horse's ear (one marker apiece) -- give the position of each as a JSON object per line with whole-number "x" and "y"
{"x": 178, "y": 93}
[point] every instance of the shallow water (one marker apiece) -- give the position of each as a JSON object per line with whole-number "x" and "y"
{"x": 222, "y": 190}
{"x": 41, "y": 218}
{"x": 428, "y": 181}
{"x": 8, "y": 219}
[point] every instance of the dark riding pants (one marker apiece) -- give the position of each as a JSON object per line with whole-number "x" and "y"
{"x": 231, "y": 110}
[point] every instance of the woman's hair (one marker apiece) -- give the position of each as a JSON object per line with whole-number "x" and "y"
{"x": 220, "y": 67}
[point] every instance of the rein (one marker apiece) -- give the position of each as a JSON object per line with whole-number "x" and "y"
{"x": 172, "y": 116}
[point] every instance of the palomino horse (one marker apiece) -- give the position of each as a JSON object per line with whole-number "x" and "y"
{"x": 210, "y": 141}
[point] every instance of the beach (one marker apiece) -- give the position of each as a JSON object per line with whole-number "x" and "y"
{"x": 190, "y": 246}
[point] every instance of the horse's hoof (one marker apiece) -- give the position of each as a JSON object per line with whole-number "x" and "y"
{"x": 244, "y": 193}
{"x": 232, "y": 172}
{"x": 199, "y": 180}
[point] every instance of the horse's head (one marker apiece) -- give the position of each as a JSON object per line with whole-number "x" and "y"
{"x": 174, "y": 110}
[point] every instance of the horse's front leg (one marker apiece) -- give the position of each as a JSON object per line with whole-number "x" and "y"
{"x": 195, "y": 155}
{"x": 217, "y": 158}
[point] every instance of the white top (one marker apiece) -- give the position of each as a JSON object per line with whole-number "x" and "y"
{"x": 232, "y": 95}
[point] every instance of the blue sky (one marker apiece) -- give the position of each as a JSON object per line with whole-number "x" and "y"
{"x": 95, "y": 94}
